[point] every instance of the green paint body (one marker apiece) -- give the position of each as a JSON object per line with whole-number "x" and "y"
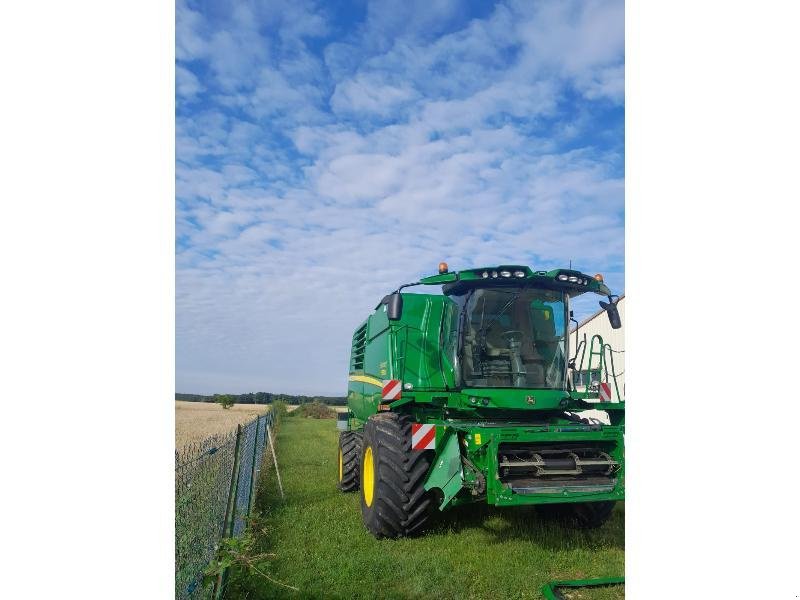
{"x": 471, "y": 423}
{"x": 550, "y": 590}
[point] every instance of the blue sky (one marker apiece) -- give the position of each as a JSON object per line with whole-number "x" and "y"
{"x": 327, "y": 152}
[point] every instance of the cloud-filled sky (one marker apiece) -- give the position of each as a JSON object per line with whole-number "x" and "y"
{"x": 328, "y": 152}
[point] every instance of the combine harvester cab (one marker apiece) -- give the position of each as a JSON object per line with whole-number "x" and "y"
{"x": 467, "y": 397}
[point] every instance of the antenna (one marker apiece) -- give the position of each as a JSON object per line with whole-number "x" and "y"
{"x": 570, "y": 264}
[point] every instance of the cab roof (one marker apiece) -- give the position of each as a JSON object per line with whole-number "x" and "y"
{"x": 571, "y": 281}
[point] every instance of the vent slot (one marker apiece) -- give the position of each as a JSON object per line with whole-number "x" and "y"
{"x": 359, "y": 349}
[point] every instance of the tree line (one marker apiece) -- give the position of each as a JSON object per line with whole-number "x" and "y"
{"x": 264, "y": 398}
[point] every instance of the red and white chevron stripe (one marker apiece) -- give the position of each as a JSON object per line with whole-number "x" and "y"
{"x": 605, "y": 392}
{"x": 423, "y": 437}
{"x": 392, "y": 389}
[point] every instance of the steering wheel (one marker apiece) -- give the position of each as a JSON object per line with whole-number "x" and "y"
{"x": 512, "y": 336}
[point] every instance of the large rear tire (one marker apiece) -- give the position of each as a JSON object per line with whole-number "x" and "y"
{"x": 348, "y": 460}
{"x": 394, "y": 502}
{"x": 583, "y": 515}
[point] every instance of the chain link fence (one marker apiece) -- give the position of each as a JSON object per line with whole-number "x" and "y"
{"x": 215, "y": 483}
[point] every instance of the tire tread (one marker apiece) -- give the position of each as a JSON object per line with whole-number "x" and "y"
{"x": 350, "y": 443}
{"x": 401, "y": 506}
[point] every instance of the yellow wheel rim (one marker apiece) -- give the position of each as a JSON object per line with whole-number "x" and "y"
{"x": 368, "y": 477}
{"x": 341, "y": 467}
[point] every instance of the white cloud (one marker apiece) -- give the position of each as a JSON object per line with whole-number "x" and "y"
{"x": 189, "y": 33}
{"x": 186, "y": 83}
{"x": 314, "y": 181}
{"x": 370, "y": 95}
{"x": 387, "y": 19}
{"x": 573, "y": 40}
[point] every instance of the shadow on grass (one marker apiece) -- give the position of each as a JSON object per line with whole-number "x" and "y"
{"x": 524, "y": 523}
{"x": 500, "y": 524}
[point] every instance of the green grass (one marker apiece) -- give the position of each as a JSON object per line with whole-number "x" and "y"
{"x": 477, "y": 551}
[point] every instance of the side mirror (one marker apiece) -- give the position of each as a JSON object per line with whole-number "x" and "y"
{"x": 394, "y": 306}
{"x": 613, "y": 314}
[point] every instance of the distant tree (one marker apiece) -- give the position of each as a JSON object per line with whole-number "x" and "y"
{"x": 225, "y": 400}
{"x": 313, "y": 410}
{"x": 264, "y": 398}
{"x": 279, "y": 408}
{"x": 189, "y": 397}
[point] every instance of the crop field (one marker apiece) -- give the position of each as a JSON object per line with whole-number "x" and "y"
{"x": 195, "y": 421}
{"x": 317, "y": 542}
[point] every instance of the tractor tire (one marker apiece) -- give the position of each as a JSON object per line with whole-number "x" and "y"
{"x": 582, "y": 515}
{"x": 394, "y": 502}
{"x": 349, "y": 457}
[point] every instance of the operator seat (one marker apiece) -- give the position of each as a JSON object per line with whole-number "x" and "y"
{"x": 532, "y": 359}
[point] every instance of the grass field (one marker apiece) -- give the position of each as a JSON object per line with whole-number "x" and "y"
{"x": 322, "y": 547}
{"x": 195, "y": 421}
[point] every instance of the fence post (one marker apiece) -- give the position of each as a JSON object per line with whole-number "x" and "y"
{"x": 230, "y": 508}
{"x": 253, "y": 470}
{"x": 275, "y": 459}
{"x": 235, "y": 484}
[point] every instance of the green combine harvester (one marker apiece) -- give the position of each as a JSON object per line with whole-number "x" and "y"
{"x": 467, "y": 396}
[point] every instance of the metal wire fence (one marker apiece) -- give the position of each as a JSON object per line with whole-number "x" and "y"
{"x": 215, "y": 482}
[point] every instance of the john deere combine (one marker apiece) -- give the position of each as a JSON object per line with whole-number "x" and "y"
{"x": 468, "y": 396}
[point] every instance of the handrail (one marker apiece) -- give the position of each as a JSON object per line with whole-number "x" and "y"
{"x": 613, "y": 369}
{"x": 603, "y": 362}
{"x": 598, "y": 353}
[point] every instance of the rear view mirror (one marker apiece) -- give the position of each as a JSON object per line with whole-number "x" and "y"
{"x": 613, "y": 314}
{"x": 394, "y": 306}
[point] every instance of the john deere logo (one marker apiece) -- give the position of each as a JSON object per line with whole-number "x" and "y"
{"x": 531, "y": 400}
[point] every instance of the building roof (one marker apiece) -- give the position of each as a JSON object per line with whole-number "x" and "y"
{"x": 587, "y": 319}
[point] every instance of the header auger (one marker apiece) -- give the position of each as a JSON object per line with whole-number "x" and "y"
{"x": 468, "y": 397}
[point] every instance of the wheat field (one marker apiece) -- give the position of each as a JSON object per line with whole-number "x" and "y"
{"x": 195, "y": 421}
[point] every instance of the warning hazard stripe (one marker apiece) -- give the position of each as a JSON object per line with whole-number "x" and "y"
{"x": 423, "y": 437}
{"x": 605, "y": 392}
{"x": 392, "y": 389}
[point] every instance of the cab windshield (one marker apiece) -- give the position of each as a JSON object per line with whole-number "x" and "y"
{"x": 513, "y": 337}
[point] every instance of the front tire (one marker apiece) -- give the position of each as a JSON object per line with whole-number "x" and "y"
{"x": 394, "y": 502}
{"x": 349, "y": 455}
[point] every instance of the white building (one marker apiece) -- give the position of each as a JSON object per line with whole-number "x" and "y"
{"x": 613, "y": 349}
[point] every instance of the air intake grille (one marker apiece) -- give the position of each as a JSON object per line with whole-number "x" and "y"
{"x": 359, "y": 348}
